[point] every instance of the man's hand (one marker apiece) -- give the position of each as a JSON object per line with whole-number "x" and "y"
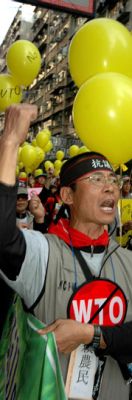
{"x": 36, "y": 208}
{"x": 17, "y": 121}
{"x": 69, "y": 334}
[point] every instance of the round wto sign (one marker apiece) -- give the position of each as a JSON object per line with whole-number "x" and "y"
{"x": 100, "y": 302}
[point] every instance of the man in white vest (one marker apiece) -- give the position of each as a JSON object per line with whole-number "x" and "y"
{"x": 76, "y": 279}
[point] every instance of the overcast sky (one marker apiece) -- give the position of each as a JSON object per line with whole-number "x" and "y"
{"x": 8, "y": 9}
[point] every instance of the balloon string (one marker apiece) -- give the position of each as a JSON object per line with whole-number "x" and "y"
{"x": 120, "y": 216}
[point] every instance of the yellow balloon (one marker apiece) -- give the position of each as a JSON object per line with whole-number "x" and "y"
{"x": 83, "y": 149}
{"x": 22, "y": 175}
{"x": 56, "y": 172}
{"x": 10, "y": 91}
{"x": 47, "y": 132}
{"x": 23, "y": 61}
{"x": 42, "y": 139}
{"x": 48, "y": 147}
{"x": 73, "y": 150}
{"x": 38, "y": 172}
{"x": 57, "y": 164}
{"x": 48, "y": 164}
{"x": 101, "y": 45}
{"x": 28, "y": 155}
{"x": 60, "y": 155}
{"x": 102, "y": 115}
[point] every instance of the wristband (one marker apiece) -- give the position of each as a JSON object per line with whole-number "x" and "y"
{"x": 96, "y": 338}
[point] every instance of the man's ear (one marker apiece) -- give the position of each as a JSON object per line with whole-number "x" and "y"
{"x": 66, "y": 195}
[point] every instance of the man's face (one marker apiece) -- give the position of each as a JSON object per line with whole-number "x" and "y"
{"x": 126, "y": 186}
{"x": 22, "y": 203}
{"x": 41, "y": 180}
{"x": 93, "y": 201}
{"x": 50, "y": 172}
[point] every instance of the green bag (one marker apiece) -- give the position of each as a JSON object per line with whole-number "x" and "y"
{"x": 29, "y": 363}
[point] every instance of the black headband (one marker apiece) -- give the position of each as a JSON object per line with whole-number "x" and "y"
{"x": 81, "y": 164}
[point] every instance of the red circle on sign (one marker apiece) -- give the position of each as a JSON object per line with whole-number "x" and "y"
{"x": 100, "y": 302}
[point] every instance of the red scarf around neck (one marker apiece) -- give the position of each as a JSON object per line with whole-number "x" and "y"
{"x": 78, "y": 239}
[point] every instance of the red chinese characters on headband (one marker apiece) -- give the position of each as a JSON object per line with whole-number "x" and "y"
{"x": 100, "y": 302}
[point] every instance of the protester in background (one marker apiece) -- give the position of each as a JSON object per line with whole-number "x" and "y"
{"x": 24, "y": 218}
{"x": 45, "y": 193}
{"x": 40, "y": 180}
{"x": 31, "y": 181}
{"x": 52, "y": 205}
{"x": 126, "y": 188}
{"x": 79, "y": 253}
{"x": 124, "y": 215}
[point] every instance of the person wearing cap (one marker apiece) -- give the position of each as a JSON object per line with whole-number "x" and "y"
{"x": 53, "y": 273}
{"x": 40, "y": 178}
{"x": 24, "y": 218}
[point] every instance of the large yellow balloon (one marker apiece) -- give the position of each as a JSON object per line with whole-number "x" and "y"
{"x": 101, "y": 45}
{"x": 73, "y": 150}
{"x": 60, "y": 155}
{"x": 24, "y": 61}
{"x": 10, "y": 91}
{"x": 28, "y": 155}
{"x": 102, "y": 115}
{"x": 42, "y": 139}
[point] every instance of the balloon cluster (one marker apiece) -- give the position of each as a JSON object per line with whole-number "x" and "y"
{"x": 23, "y": 62}
{"x": 31, "y": 155}
{"x": 100, "y": 62}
